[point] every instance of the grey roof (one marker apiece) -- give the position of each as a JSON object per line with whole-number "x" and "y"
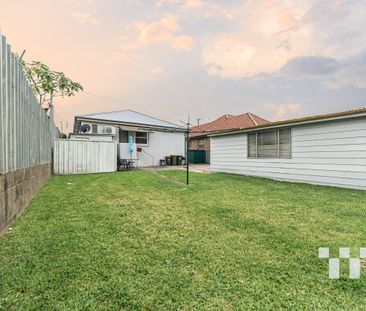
{"x": 129, "y": 116}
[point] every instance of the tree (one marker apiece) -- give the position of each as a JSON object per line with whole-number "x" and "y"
{"x": 48, "y": 84}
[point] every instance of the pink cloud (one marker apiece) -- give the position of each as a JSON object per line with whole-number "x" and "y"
{"x": 160, "y": 31}
{"x": 283, "y": 111}
{"x": 184, "y": 43}
{"x": 194, "y": 3}
{"x": 85, "y": 18}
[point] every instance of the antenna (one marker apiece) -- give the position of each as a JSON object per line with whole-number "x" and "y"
{"x": 21, "y": 55}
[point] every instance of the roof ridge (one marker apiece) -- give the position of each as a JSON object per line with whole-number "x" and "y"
{"x": 251, "y": 117}
{"x": 131, "y": 110}
{"x": 83, "y": 115}
{"x": 152, "y": 117}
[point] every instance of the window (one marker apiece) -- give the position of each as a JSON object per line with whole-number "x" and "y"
{"x": 94, "y": 128}
{"x": 123, "y": 136}
{"x": 270, "y": 144}
{"x": 141, "y": 138}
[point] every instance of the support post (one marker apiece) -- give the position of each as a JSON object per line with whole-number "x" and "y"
{"x": 187, "y": 149}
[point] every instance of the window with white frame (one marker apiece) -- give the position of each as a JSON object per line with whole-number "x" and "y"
{"x": 270, "y": 144}
{"x": 142, "y": 138}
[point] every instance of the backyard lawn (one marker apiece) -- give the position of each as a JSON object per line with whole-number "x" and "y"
{"x": 138, "y": 241}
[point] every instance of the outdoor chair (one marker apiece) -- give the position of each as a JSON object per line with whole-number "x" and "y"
{"x": 124, "y": 164}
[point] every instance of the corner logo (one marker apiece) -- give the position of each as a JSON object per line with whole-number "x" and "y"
{"x": 344, "y": 253}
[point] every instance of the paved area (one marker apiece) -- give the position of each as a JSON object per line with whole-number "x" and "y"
{"x": 197, "y": 168}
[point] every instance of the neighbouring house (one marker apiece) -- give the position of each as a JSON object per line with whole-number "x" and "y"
{"x": 199, "y": 139}
{"x": 152, "y": 138}
{"x": 326, "y": 149}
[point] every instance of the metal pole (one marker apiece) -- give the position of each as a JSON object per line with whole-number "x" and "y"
{"x": 187, "y": 148}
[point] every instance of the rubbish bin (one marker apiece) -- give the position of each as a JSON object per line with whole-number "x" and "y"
{"x": 174, "y": 160}
{"x": 179, "y": 160}
{"x": 162, "y": 162}
{"x": 168, "y": 160}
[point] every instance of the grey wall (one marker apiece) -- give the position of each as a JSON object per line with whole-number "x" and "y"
{"x": 329, "y": 153}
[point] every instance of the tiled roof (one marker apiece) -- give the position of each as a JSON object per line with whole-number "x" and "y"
{"x": 228, "y": 122}
{"x": 318, "y": 118}
{"x": 129, "y": 116}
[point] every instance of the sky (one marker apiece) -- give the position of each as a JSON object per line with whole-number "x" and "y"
{"x": 174, "y": 58}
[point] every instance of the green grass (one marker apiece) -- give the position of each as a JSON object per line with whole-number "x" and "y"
{"x": 136, "y": 241}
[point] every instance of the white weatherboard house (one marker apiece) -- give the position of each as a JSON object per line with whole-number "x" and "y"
{"x": 327, "y": 150}
{"x": 152, "y": 138}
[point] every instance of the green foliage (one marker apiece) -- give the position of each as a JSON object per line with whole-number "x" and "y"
{"x": 137, "y": 241}
{"x": 47, "y": 83}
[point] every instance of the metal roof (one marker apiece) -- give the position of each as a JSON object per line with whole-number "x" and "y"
{"x": 129, "y": 116}
{"x": 298, "y": 121}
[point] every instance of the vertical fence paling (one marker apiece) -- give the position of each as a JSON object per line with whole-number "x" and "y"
{"x": 82, "y": 157}
{"x": 26, "y": 132}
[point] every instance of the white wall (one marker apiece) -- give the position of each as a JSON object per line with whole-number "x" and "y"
{"x": 81, "y": 157}
{"x": 160, "y": 145}
{"x": 328, "y": 153}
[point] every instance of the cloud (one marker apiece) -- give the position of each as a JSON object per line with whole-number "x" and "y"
{"x": 155, "y": 72}
{"x": 284, "y": 111}
{"x": 194, "y": 3}
{"x": 184, "y": 43}
{"x": 85, "y": 18}
{"x": 310, "y": 66}
{"x": 270, "y": 34}
{"x": 187, "y": 3}
{"x": 164, "y": 31}
{"x": 233, "y": 56}
{"x": 330, "y": 72}
{"x": 160, "y": 31}
{"x": 351, "y": 72}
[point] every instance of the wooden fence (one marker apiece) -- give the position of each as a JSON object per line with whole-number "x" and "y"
{"x": 83, "y": 157}
{"x": 26, "y": 132}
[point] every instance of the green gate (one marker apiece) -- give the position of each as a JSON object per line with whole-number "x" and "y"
{"x": 198, "y": 157}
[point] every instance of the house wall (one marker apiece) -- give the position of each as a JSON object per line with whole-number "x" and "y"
{"x": 194, "y": 145}
{"x": 329, "y": 153}
{"x": 160, "y": 145}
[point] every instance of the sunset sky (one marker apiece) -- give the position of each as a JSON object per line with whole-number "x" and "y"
{"x": 173, "y": 58}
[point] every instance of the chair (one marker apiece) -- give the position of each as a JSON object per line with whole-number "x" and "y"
{"x": 125, "y": 164}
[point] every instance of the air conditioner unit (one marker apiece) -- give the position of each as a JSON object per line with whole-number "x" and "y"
{"x": 86, "y": 128}
{"x": 111, "y": 130}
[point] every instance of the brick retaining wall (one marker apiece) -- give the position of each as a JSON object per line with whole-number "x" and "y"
{"x": 17, "y": 189}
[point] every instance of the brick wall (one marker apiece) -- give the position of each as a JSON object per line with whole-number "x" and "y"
{"x": 17, "y": 189}
{"x": 194, "y": 145}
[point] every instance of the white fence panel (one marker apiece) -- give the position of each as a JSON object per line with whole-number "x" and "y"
{"x": 83, "y": 157}
{"x": 26, "y": 132}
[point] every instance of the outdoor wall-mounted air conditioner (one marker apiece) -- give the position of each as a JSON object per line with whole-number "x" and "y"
{"x": 107, "y": 129}
{"x": 86, "y": 128}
